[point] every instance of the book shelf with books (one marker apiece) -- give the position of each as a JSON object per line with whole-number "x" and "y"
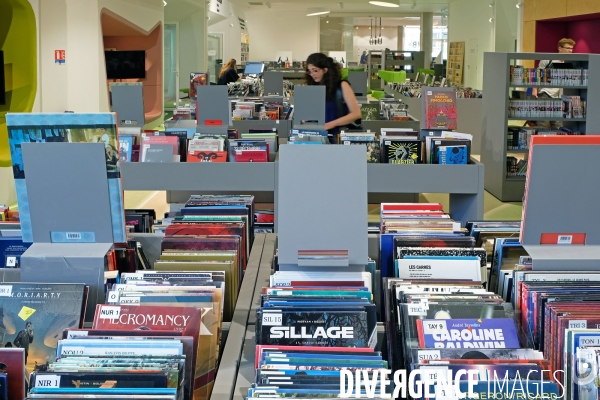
{"x": 512, "y": 116}
{"x": 456, "y": 59}
{"x": 401, "y": 60}
{"x": 245, "y": 52}
{"x": 375, "y": 63}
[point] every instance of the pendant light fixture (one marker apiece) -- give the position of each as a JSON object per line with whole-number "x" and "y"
{"x": 371, "y": 33}
{"x": 380, "y": 38}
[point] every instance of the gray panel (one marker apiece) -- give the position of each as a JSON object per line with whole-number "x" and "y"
{"x": 560, "y": 257}
{"x": 423, "y": 178}
{"x": 273, "y": 84}
{"x": 558, "y": 203}
{"x": 68, "y": 263}
{"x": 128, "y": 103}
{"x": 309, "y": 105}
{"x": 592, "y": 125}
{"x": 239, "y": 177}
{"x": 495, "y": 111}
{"x": 212, "y": 104}
{"x": 318, "y": 210}
{"x": 358, "y": 81}
{"x": 67, "y": 189}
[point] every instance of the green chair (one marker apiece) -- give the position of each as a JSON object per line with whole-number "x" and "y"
{"x": 426, "y": 71}
{"x": 378, "y": 94}
{"x": 392, "y": 76}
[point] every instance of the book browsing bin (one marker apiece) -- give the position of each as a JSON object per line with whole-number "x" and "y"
{"x": 497, "y": 87}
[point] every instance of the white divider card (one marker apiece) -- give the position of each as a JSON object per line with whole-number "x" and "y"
{"x": 420, "y": 267}
{"x": 321, "y": 202}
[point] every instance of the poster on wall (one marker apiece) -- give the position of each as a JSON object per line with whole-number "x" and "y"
{"x": 340, "y": 57}
{"x": 283, "y": 57}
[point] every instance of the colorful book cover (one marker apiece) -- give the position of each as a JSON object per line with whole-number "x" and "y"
{"x": 11, "y": 249}
{"x": 402, "y": 152}
{"x": 33, "y": 316}
{"x": 468, "y": 333}
{"x": 125, "y": 147}
{"x": 197, "y": 79}
{"x": 13, "y": 360}
{"x": 72, "y": 128}
{"x": 440, "y": 109}
{"x": 452, "y": 155}
{"x": 369, "y": 112}
{"x": 140, "y": 317}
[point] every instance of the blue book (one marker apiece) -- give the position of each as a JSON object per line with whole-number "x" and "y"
{"x": 452, "y": 155}
{"x": 11, "y": 249}
{"x": 125, "y": 147}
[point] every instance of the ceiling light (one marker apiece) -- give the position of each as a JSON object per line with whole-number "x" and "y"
{"x": 492, "y": 4}
{"x": 327, "y": 21}
{"x": 164, "y": 3}
{"x": 384, "y": 4}
{"x": 519, "y": 4}
{"x": 491, "y": 19}
{"x": 316, "y": 11}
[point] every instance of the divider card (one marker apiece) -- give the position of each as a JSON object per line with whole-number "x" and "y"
{"x": 488, "y": 333}
{"x": 67, "y": 128}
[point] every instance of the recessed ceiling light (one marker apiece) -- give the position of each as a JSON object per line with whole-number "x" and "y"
{"x": 384, "y": 4}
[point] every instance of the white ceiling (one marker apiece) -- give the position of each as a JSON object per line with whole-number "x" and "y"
{"x": 349, "y": 6}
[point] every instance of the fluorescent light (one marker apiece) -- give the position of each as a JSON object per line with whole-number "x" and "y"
{"x": 316, "y": 11}
{"x": 384, "y": 4}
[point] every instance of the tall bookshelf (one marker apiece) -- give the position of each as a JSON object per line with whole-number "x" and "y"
{"x": 375, "y": 62}
{"x": 456, "y": 62}
{"x": 409, "y": 61}
{"x": 497, "y": 88}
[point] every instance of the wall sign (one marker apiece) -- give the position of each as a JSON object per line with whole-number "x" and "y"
{"x": 59, "y": 56}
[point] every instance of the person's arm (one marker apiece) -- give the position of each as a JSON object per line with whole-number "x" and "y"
{"x": 233, "y": 76}
{"x": 353, "y": 108}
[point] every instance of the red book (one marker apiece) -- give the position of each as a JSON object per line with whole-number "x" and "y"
{"x": 14, "y": 359}
{"x": 252, "y": 156}
{"x": 440, "y": 109}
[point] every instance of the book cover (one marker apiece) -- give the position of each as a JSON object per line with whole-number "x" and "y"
{"x": 182, "y": 136}
{"x": 468, "y": 333}
{"x": 125, "y": 147}
{"x": 251, "y": 156}
{"x": 440, "y": 109}
{"x": 452, "y": 155}
{"x": 11, "y": 249}
{"x": 141, "y": 317}
{"x": 34, "y": 316}
{"x": 402, "y": 152}
{"x": 157, "y": 153}
{"x": 13, "y": 360}
{"x": 171, "y": 141}
{"x": 72, "y": 128}
{"x": 369, "y": 112}
{"x": 197, "y": 79}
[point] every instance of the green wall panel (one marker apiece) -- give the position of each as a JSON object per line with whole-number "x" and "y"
{"x": 18, "y": 41}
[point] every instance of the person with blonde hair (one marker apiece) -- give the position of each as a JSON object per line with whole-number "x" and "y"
{"x": 228, "y": 73}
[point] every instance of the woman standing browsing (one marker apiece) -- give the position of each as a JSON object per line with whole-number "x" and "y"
{"x": 341, "y": 107}
{"x": 228, "y": 73}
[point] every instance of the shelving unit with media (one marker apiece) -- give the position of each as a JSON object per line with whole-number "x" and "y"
{"x": 498, "y": 87}
{"x": 456, "y": 60}
{"x": 375, "y": 63}
{"x": 245, "y": 51}
{"x": 409, "y": 61}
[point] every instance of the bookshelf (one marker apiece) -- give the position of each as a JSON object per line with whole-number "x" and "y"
{"x": 497, "y": 87}
{"x": 375, "y": 62}
{"x": 456, "y": 60}
{"x": 409, "y": 61}
{"x": 245, "y": 51}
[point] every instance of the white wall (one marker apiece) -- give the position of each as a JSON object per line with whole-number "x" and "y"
{"x": 74, "y": 26}
{"x": 274, "y": 30}
{"x": 192, "y": 46}
{"x": 506, "y": 25}
{"x": 232, "y": 35}
{"x": 468, "y": 21}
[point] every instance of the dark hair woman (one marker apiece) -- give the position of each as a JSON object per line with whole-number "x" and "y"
{"x": 341, "y": 106}
{"x": 228, "y": 73}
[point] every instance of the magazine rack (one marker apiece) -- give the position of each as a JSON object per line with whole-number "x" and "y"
{"x": 273, "y": 83}
{"x": 212, "y": 109}
{"x": 317, "y": 212}
{"x": 67, "y": 194}
{"x": 309, "y": 107}
{"x": 127, "y": 101}
{"x": 562, "y": 207}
